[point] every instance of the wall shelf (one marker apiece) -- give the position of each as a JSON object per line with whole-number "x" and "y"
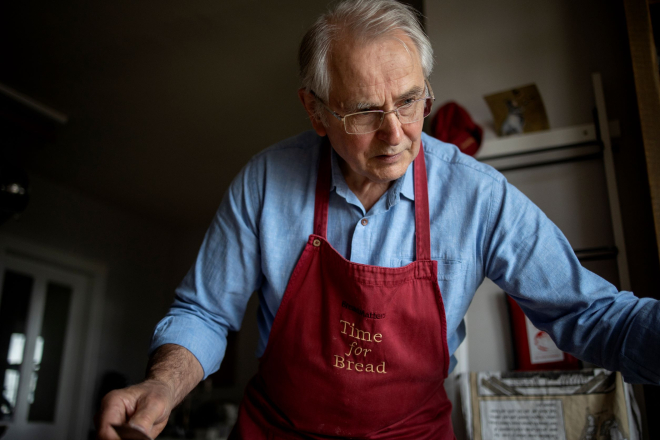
{"x": 543, "y": 148}
{"x": 541, "y": 141}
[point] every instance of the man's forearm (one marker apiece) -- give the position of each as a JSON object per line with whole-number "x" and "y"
{"x": 176, "y": 367}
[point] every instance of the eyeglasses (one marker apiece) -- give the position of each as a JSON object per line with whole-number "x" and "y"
{"x": 371, "y": 120}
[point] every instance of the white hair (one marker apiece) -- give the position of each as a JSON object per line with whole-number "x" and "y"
{"x": 364, "y": 20}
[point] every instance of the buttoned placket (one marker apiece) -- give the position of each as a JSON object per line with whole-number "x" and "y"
{"x": 367, "y": 223}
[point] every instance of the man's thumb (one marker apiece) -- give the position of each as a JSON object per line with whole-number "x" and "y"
{"x": 147, "y": 416}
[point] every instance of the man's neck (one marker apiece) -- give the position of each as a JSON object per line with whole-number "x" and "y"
{"x": 367, "y": 191}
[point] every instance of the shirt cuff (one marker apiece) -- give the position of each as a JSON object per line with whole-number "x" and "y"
{"x": 206, "y": 344}
{"x": 641, "y": 357}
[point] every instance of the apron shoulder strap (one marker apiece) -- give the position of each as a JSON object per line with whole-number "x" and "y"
{"x": 323, "y": 181}
{"x": 422, "y": 221}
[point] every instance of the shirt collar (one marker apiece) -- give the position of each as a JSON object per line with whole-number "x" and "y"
{"x": 404, "y": 185}
{"x": 338, "y": 182}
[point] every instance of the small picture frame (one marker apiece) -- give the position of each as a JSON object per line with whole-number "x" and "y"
{"x": 518, "y": 110}
{"x": 534, "y": 348}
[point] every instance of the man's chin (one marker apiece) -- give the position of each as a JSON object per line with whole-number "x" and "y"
{"x": 386, "y": 171}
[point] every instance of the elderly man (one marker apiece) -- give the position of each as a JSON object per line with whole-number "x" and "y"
{"x": 366, "y": 240}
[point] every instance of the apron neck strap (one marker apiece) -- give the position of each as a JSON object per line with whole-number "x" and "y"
{"x": 422, "y": 220}
{"x": 323, "y": 182}
{"x": 422, "y": 223}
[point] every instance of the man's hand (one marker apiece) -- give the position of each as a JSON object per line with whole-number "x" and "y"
{"x": 145, "y": 406}
{"x": 172, "y": 373}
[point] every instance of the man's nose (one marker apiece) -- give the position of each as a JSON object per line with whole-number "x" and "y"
{"x": 390, "y": 130}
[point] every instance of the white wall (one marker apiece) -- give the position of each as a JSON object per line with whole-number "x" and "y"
{"x": 482, "y": 47}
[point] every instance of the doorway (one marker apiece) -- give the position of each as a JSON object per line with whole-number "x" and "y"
{"x": 44, "y": 320}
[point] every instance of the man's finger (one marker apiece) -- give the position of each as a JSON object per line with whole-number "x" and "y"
{"x": 150, "y": 416}
{"x": 113, "y": 412}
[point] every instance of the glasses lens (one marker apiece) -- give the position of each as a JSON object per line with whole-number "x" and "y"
{"x": 364, "y": 122}
{"x": 413, "y": 112}
{"x": 367, "y": 122}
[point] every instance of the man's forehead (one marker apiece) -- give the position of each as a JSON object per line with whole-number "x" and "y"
{"x": 358, "y": 67}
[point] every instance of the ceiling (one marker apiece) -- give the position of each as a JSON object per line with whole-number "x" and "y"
{"x": 166, "y": 100}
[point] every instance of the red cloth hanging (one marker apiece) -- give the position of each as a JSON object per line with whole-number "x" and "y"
{"x": 453, "y": 124}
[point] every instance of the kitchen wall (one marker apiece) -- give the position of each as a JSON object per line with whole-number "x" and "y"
{"x": 484, "y": 47}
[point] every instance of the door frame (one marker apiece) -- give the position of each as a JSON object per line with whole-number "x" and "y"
{"x": 96, "y": 274}
{"x": 74, "y": 337}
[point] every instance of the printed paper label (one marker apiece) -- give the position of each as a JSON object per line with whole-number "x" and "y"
{"x": 522, "y": 420}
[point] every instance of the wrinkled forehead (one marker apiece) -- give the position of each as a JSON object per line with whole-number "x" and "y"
{"x": 365, "y": 68}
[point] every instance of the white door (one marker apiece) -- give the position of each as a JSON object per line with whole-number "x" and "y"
{"x": 42, "y": 310}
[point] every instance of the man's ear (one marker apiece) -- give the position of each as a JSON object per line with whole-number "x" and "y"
{"x": 309, "y": 102}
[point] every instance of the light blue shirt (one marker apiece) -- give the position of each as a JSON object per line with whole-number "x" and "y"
{"x": 480, "y": 227}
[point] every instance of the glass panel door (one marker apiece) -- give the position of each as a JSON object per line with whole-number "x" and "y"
{"x": 48, "y": 352}
{"x": 41, "y": 309}
{"x": 14, "y": 305}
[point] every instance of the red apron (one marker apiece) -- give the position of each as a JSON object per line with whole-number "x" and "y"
{"x": 355, "y": 350}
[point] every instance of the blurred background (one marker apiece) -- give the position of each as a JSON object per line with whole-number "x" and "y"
{"x": 122, "y": 124}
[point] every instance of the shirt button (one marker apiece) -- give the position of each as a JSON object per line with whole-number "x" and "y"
{"x": 364, "y": 222}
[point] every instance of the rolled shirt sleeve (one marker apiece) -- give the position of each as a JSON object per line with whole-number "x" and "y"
{"x": 530, "y": 259}
{"x": 213, "y": 296}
